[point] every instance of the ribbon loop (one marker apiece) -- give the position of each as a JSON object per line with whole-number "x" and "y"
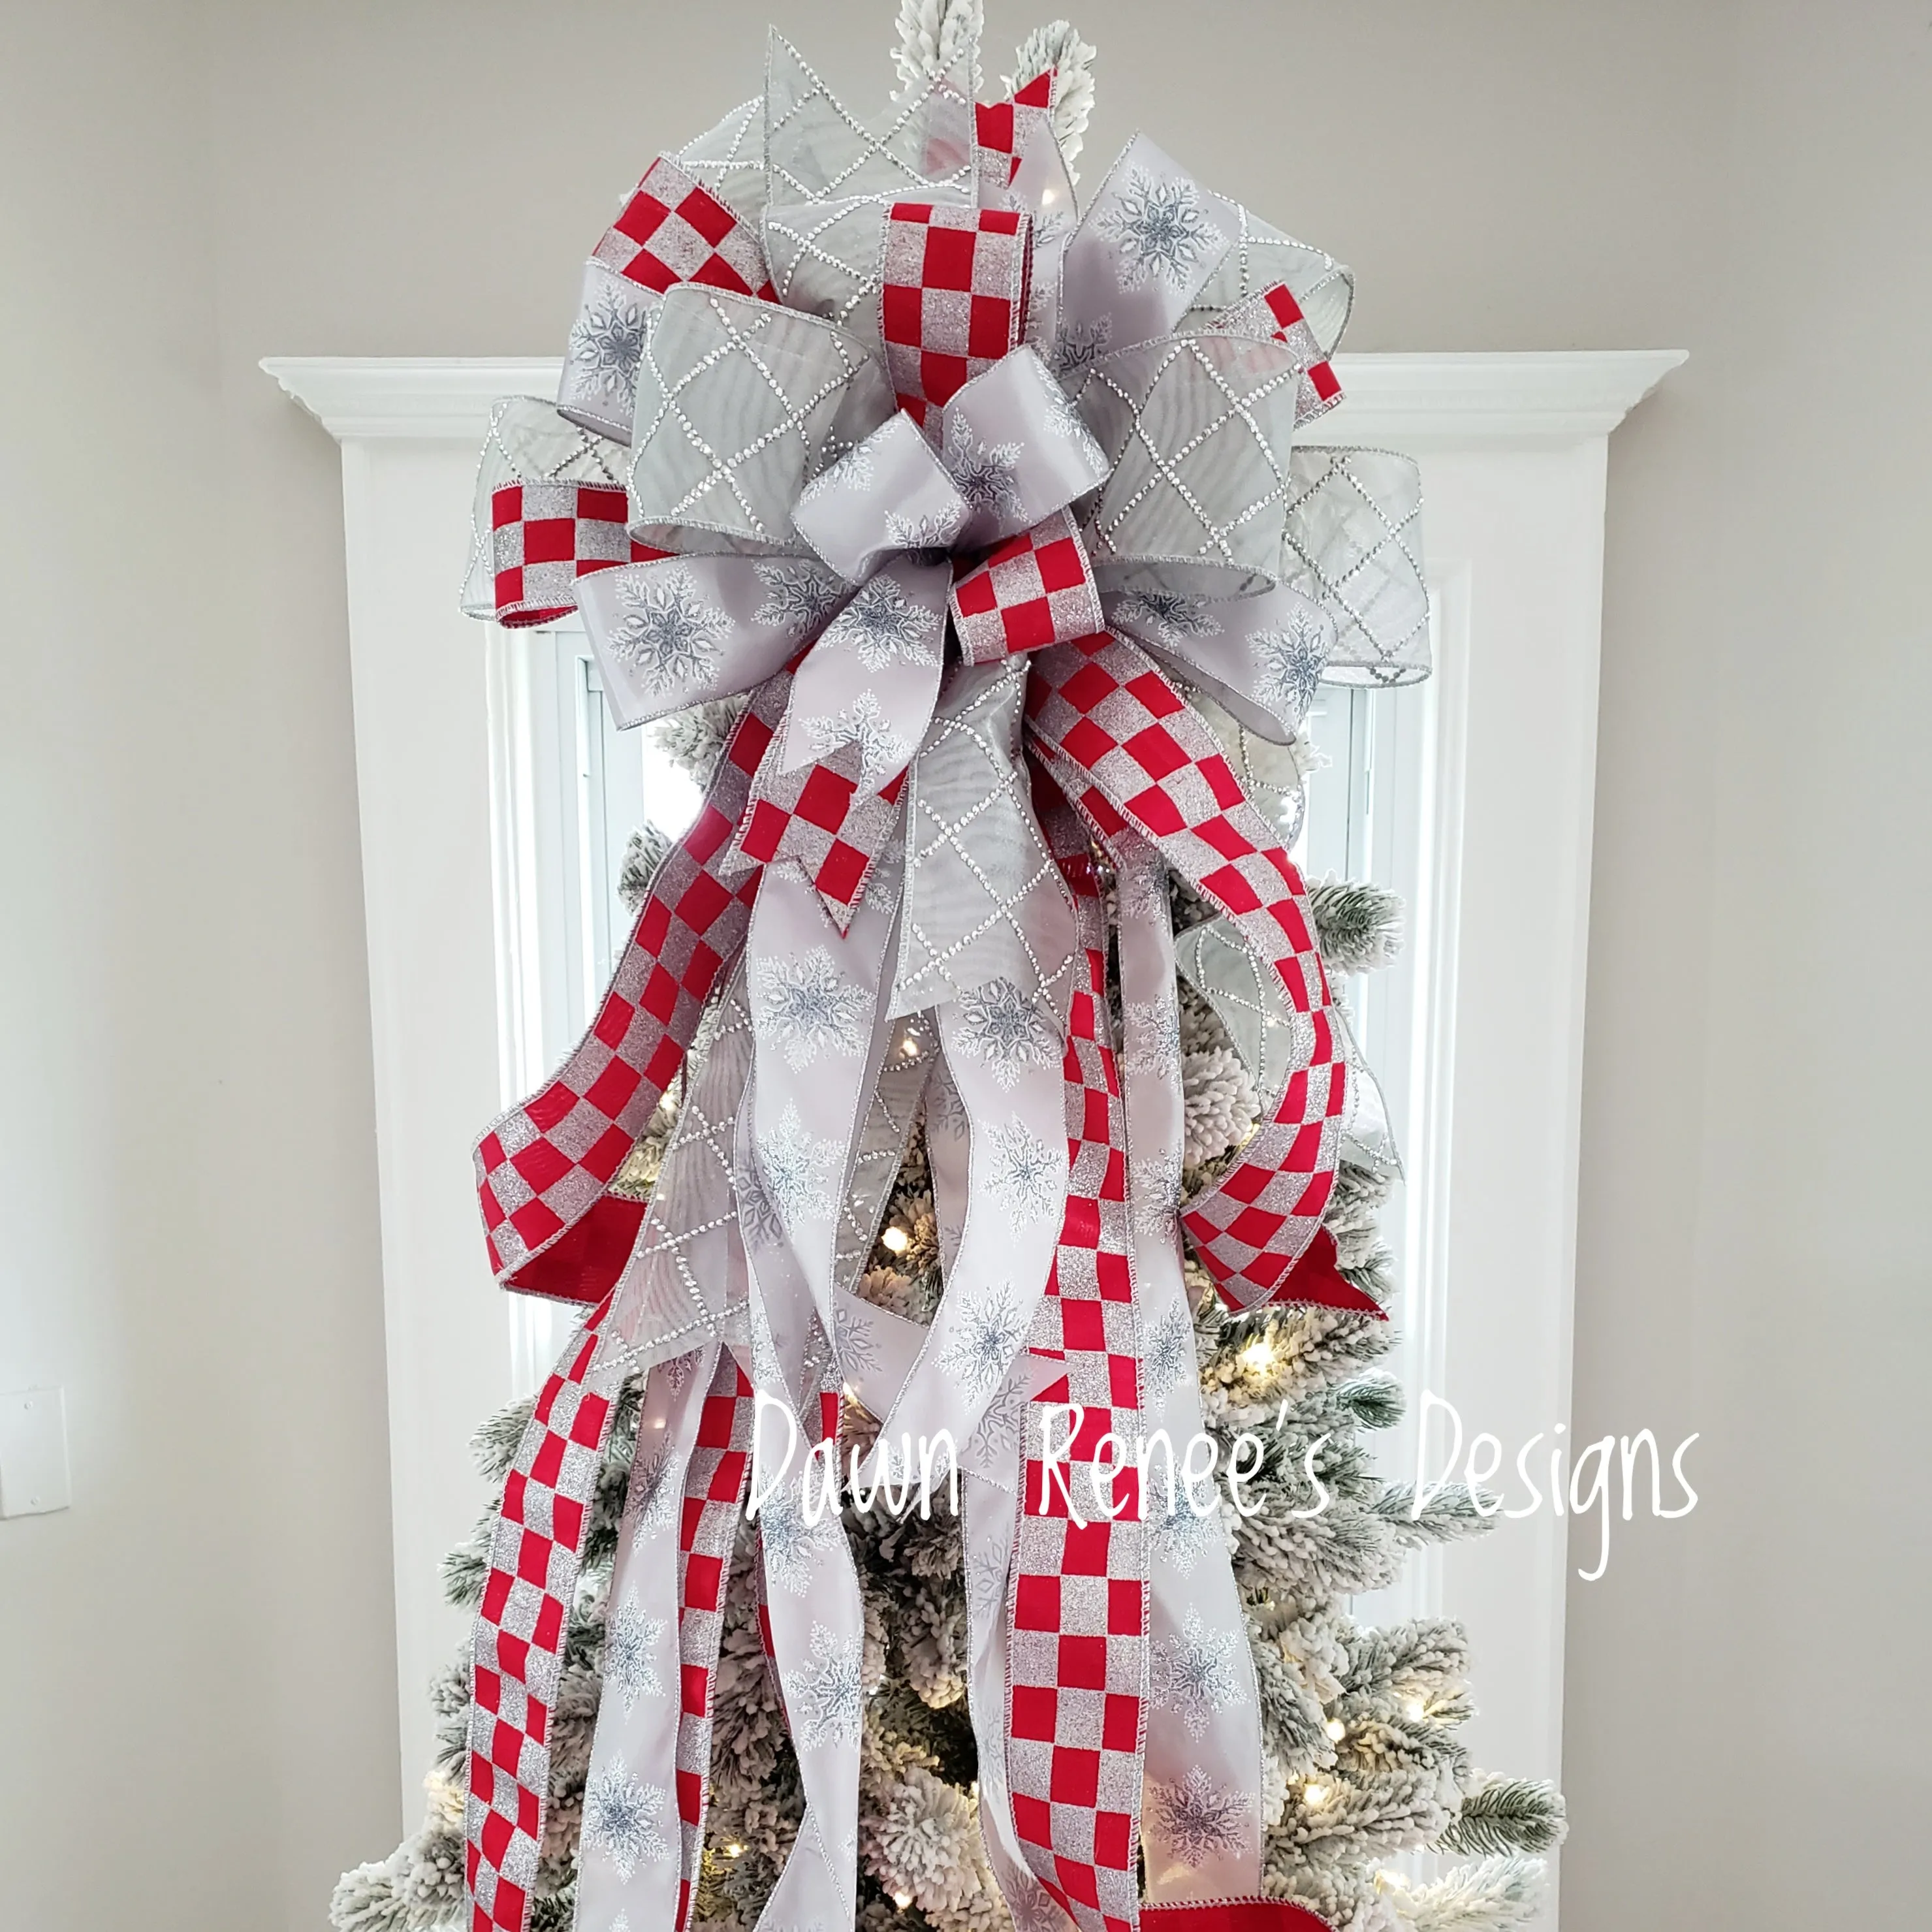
{"x": 549, "y": 510}
{"x": 1003, "y": 130}
{"x": 1269, "y": 1034}
{"x": 1273, "y": 315}
{"x": 680, "y": 631}
{"x": 816, "y": 149}
{"x": 1134, "y": 755}
{"x": 954, "y": 298}
{"x": 1261, "y": 256}
{"x": 1145, "y": 249}
{"x": 740, "y": 404}
{"x": 671, "y": 229}
{"x": 824, "y": 257}
{"x": 544, "y": 1169}
{"x": 1352, "y": 538}
{"x": 1198, "y": 429}
{"x": 729, "y": 159}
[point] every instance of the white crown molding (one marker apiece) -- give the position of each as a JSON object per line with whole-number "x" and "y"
{"x": 1545, "y": 396}
{"x": 1560, "y": 395}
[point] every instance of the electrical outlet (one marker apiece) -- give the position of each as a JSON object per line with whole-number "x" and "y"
{"x": 33, "y": 1452}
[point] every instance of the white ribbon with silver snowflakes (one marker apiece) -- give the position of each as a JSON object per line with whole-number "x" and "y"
{"x": 818, "y": 1029}
{"x": 820, "y": 1035}
{"x": 630, "y": 1865}
{"x": 1004, "y": 1060}
{"x": 815, "y": 1619}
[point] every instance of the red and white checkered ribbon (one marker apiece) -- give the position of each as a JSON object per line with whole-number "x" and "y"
{"x": 644, "y": 1799}
{"x": 672, "y": 229}
{"x": 955, "y": 299}
{"x": 544, "y": 536}
{"x": 1077, "y": 1653}
{"x": 707, "y": 1528}
{"x": 517, "y": 1649}
{"x": 999, "y": 435}
{"x": 642, "y": 1836}
{"x": 545, "y": 1168}
{"x": 1034, "y": 589}
{"x": 1135, "y": 756}
{"x": 550, "y": 510}
{"x": 1005, "y": 129}
{"x": 1233, "y": 1915}
{"x": 1205, "y": 1784}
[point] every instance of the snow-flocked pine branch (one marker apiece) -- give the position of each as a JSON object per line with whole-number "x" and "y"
{"x": 1057, "y": 47}
{"x": 934, "y": 35}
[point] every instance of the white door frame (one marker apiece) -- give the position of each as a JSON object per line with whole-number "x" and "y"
{"x": 1513, "y": 449}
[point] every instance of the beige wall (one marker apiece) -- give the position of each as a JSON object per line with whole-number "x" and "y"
{"x": 195, "y": 1688}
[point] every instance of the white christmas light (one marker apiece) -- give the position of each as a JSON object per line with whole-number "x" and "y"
{"x": 1314, "y": 1796}
{"x": 1336, "y": 1729}
{"x": 897, "y": 1240}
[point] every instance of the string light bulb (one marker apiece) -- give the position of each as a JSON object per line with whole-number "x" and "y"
{"x": 902, "y": 1899}
{"x": 1415, "y": 1708}
{"x": 1336, "y": 1729}
{"x": 896, "y": 1239}
{"x": 909, "y": 1046}
{"x": 1314, "y": 1796}
{"x": 734, "y": 1851}
{"x": 1257, "y": 1357}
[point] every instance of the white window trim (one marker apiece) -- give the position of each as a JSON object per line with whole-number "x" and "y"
{"x": 1513, "y": 450}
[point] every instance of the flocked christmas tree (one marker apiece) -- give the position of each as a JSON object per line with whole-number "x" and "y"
{"x": 1360, "y": 1724}
{"x": 1363, "y": 1760}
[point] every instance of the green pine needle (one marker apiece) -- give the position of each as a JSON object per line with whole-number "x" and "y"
{"x": 1508, "y": 1814}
